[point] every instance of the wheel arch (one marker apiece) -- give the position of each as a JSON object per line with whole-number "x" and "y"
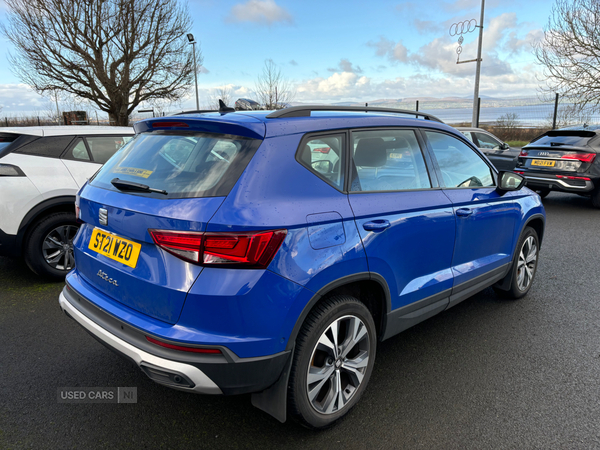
{"x": 538, "y": 223}
{"x": 369, "y": 288}
{"x": 64, "y": 203}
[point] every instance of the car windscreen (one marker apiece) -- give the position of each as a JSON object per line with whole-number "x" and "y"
{"x": 185, "y": 165}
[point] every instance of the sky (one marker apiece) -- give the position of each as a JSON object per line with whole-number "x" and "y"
{"x": 346, "y": 50}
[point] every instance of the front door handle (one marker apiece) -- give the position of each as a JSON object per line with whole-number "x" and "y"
{"x": 376, "y": 225}
{"x": 464, "y": 212}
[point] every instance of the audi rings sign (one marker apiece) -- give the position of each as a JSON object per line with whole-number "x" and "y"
{"x": 466, "y": 26}
{"x": 460, "y": 28}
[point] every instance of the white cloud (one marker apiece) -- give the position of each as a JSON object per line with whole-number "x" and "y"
{"x": 395, "y": 51}
{"x": 19, "y": 98}
{"x": 264, "y": 12}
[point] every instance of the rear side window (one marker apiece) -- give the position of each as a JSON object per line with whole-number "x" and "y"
{"x": 459, "y": 164}
{"x": 103, "y": 147}
{"x": 79, "y": 151}
{"x": 183, "y": 165}
{"x": 388, "y": 160}
{"x": 324, "y": 156}
{"x": 51, "y": 146}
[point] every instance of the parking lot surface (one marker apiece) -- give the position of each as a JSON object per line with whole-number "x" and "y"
{"x": 488, "y": 373}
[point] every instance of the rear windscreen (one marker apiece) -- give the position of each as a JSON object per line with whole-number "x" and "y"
{"x": 574, "y": 141}
{"x": 183, "y": 165}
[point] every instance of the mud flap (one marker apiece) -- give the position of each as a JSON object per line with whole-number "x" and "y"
{"x": 273, "y": 400}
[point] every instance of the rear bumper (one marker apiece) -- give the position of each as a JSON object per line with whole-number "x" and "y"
{"x": 551, "y": 182}
{"x": 199, "y": 373}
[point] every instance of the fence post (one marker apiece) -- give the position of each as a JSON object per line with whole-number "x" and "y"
{"x": 39, "y": 124}
{"x": 6, "y": 120}
{"x": 478, "y": 111}
{"x": 417, "y": 106}
{"x": 555, "y": 112}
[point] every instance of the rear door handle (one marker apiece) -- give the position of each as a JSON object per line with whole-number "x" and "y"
{"x": 376, "y": 225}
{"x": 464, "y": 212}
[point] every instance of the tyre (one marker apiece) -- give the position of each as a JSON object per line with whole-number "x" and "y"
{"x": 49, "y": 247}
{"x": 525, "y": 265}
{"x": 543, "y": 193}
{"x": 333, "y": 361}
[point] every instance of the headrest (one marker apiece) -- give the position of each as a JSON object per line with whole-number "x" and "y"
{"x": 370, "y": 152}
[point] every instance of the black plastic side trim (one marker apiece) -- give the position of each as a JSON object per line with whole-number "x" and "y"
{"x": 8, "y": 244}
{"x": 468, "y": 289}
{"x": 410, "y": 315}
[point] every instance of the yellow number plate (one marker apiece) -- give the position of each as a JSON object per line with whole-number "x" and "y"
{"x": 543, "y": 162}
{"x": 396, "y": 155}
{"x": 115, "y": 247}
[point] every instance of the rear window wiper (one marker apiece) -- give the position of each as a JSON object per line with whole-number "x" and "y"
{"x": 123, "y": 185}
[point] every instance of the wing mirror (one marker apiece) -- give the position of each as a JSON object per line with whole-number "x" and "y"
{"x": 509, "y": 181}
{"x": 504, "y": 146}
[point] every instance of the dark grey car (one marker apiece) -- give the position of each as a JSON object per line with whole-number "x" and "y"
{"x": 499, "y": 153}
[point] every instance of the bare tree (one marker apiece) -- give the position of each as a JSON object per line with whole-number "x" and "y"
{"x": 223, "y": 93}
{"x": 568, "y": 115}
{"x": 273, "y": 90}
{"x": 114, "y": 53}
{"x": 506, "y": 126}
{"x": 570, "y": 52}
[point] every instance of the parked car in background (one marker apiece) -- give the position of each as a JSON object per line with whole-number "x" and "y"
{"x": 41, "y": 170}
{"x": 246, "y": 104}
{"x": 502, "y": 155}
{"x": 241, "y": 265}
{"x": 564, "y": 160}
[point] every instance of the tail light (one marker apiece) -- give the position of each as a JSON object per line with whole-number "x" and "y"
{"x": 583, "y": 157}
{"x": 252, "y": 250}
{"x": 184, "y": 348}
{"x": 324, "y": 150}
{"x": 519, "y": 172}
{"x": 524, "y": 153}
{"x": 186, "y": 245}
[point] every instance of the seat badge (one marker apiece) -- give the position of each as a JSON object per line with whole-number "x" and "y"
{"x": 103, "y": 216}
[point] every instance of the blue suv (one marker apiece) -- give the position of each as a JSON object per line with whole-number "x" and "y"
{"x": 268, "y": 252}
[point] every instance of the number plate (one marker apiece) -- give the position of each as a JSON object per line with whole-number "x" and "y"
{"x": 543, "y": 162}
{"x": 115, "y": 247}
{"x": 396, "y": 155}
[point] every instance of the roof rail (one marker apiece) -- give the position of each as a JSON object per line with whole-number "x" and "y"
{"x": 304, "y": 111}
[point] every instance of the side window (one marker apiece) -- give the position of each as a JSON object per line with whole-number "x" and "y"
{"x": 468, "y": 135}
{"x": 486, "y": 141}
{"x": 325, "y": 157}
{"x": 460, "y": 165}
{"x": 387, "y": 160}
{"x": 79, "y": 152}
{"x": 104, "y": 147}
{"x": 51, "y": 147}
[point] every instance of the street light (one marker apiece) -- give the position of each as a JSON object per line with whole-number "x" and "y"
{"x": 191, "y": 40}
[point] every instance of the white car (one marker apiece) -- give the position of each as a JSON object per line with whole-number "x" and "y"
{"x": 41, "y": 170}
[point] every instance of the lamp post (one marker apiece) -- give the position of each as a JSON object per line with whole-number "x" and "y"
{"x": 191, "y": 40}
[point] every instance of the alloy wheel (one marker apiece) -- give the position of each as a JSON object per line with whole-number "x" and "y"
{"x": 338, "y": 364}
{"x": 526, "y": 264}
{"x": 57, "y": 248}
